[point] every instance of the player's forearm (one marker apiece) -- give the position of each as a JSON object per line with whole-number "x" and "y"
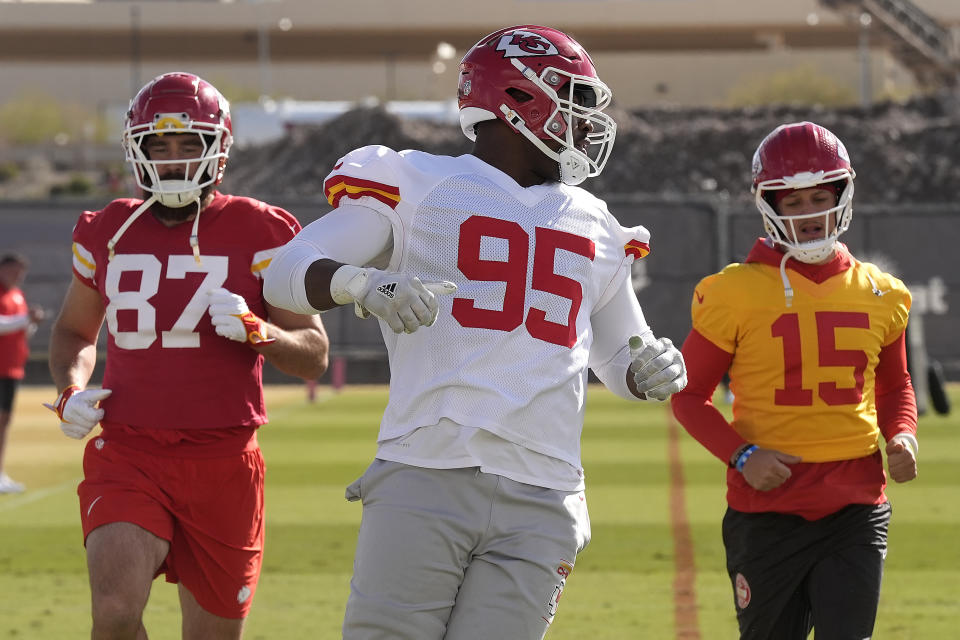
{"x": 613, "y": 324}
{"x": 896, "y": 401}
{"x": 347, "y": 235}
{"x": 317, "y": 283}
{"x": 706, "y": 424}
{"x": 631, "y": 382}
{"x": 897, "y": 412}
{"x": 301, "y": 284}
{"x": 611, "y": 374}
{"x": 284, "y": 281}
{"x": 301, "y": 352}
{"x": 298, "y": 280}
{"x": 693, "y": 407}
{"x": 72, "y": 358}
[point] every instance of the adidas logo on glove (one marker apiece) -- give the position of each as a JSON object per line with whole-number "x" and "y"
{"x": 388, "y": 290}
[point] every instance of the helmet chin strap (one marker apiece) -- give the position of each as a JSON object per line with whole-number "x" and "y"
{"x": 194, "y": 237}
{"x": 126, "y": 224}
{"x": 793, "y": 252}
{"x": 177, "y": 193}
{"x": 181, "y": 193}
{"x": 787, "y": 289}
{"x": 573, "y": 169}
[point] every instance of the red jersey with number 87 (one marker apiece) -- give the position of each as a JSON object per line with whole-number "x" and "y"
{"x": 165, "y": 364}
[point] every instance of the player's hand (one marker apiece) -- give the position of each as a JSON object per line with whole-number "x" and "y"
{"x": 37, "y": 315}
{"x": 657, "y": 366}
{"x": 78, "y": 410}
{"x": 767, "y": 469}
{"x": 399, "y": 299}
{"x": 901, "y": 459}
{"x": 232, "y": 318}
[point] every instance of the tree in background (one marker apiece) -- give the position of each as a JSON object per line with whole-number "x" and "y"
{"x": 37, "y": 118}
{"x": 804, "y": 84}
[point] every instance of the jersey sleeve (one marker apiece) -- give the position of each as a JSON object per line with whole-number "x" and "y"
{"x": 631, "y": 244}
{"x": 613, "y": 325}
{"x": 365, "y": 176}
{"x": 350, "y": 234}
{"x": 693, "y": 406}
{"x": 711, "y": 316}
{"x": 894, "y": 295}
{"x": 280, "y": 228}
{"x": 84, "y": 242}
{"x": 636, "y": 242}
{"x": 901, "y": 300}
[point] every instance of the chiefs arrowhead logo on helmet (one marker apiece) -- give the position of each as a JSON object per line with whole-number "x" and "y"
{"x": 524, "y": 43}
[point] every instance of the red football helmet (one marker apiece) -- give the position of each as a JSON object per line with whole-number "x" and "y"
{"x": 801, "y": 155}
{"x": 557, "y": 86}
{"x": 178, "y": 103}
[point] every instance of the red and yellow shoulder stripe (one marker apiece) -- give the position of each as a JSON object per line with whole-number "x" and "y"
{"x": 637, "y": 249}
{"x": 339, "y": 186}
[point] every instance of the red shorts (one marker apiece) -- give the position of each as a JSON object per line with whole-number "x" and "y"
{"x": 209, "y": 509}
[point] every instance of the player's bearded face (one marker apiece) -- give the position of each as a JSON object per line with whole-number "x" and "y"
{"x": 179, "y": 214}
{"x": 178, "y": 159}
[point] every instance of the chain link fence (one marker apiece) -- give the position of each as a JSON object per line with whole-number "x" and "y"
{"x": 690, "y": 239}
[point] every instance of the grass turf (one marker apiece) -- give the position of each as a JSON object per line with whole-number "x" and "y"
{"x": 623, "y": 583}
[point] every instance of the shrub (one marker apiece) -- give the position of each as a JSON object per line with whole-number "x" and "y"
{"x": 77, "y": 185}
{"x": 37, "y": 118}
{"x": 803, "y": 85}
{"x": 8, "y": 171}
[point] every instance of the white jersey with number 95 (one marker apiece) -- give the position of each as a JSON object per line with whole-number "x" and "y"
{"x": 510, "y": 349}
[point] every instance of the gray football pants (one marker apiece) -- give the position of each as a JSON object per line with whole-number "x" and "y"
{"x": 456, "y": 554}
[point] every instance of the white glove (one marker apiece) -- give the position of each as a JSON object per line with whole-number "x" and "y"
{"x": 400, "y": 300}
{"x": 78, "y": 410}
{"x": 658, "y": 367}
{"x": 231, "y": 318}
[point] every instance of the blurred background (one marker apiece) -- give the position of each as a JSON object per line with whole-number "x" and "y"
{"x": 697, "y": 84}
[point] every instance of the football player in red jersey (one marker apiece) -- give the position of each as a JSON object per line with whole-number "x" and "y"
{"x": 17, "y": 321}
{"x": 174, "y": 481}
{"x": 813, "y": 340}
{"x": 498, "y": 282}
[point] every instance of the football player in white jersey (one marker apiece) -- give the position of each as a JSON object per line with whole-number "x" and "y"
{"x": 497, "y": 283}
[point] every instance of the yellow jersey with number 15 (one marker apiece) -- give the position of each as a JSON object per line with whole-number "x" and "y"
{"x": 802, "y": 375}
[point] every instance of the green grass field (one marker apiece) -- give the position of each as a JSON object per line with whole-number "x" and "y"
{"x": 623, "y": 584}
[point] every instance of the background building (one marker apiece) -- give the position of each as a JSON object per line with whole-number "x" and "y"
{"x": 683, "y": 73}
{"x": 684, "y": 52}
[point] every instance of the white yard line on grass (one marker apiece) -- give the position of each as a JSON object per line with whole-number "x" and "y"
{"x": 10, "y": 503}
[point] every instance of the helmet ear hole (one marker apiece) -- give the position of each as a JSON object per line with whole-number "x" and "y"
{"x": 519, "y": 95}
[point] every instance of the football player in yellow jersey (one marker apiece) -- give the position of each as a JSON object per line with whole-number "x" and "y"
{"x": 813, "y": 341}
